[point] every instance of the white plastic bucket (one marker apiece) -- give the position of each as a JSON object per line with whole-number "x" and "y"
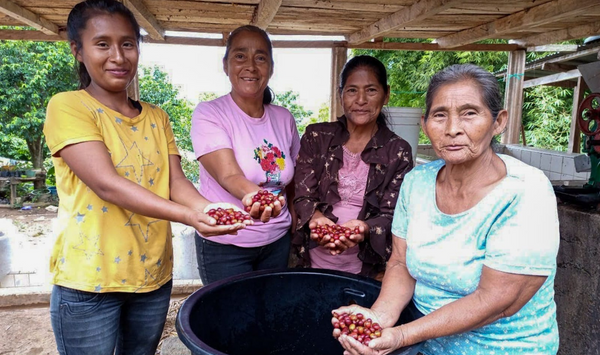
{"x": 405, "y": 122}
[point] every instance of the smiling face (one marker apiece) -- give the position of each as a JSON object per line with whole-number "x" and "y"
{"x": 460, "y": 125}
{"x": 363, "y": 97}
{"x": 248, "y": 65}
{"x": 109, "y": 50}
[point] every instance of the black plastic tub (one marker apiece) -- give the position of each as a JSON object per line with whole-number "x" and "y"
{"x": 275, "y": 312}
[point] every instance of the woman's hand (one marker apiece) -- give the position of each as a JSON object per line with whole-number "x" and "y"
{"x": 390, "y": 340}
{"x": 343, "y": 244}
{"x": 268, "y": 212}
{"x": 319, "y": 219}
{"x": 207, "y": 226}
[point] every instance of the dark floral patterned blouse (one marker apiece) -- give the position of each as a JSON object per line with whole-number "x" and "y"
{"x": 321, "y": 156}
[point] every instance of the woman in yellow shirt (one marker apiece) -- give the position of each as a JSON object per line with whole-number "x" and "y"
{"x": 120, "y": 181}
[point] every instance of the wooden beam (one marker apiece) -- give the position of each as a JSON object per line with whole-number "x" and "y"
{"x": 24, "y": 35}
{"x": 27, "y": 17}
{"x": 146, "y": 19}
{"x": 433, "y": 47}
{"x": 548, "y": 12}
{"x": 339, "y": 55}
{"x": 558, "y": 67}
{"x": 513, "y": 96}
{"x": 576, "y": 32}
{"x": 574, "y": 131}
{"x": 553, "y": 48}
{"x": 554, "y": 78}
{"x": 563, "y": 58}
{"x": 265, "y": 11}
{"x": 418, "y": 11}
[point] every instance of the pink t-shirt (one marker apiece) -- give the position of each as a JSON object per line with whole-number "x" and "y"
{"x": 353, "y": 180}
{"x": 265, "y": 148}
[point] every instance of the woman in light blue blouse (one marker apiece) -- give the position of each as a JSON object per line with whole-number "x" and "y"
{"x": 476, "y": 237}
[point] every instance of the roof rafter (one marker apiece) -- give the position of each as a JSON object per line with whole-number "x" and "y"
{"x": 581, "y": 31}
{"x": 265, "y": 11}
{"x": 420, "y": 10}
{"x": 27, "y": 17}
{"x": 147, "y": 21}
{"x": 532, "y": 17}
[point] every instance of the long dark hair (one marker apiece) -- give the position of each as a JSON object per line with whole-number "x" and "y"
{"x": 488, "y": 84}
{"x": 268, "y": 94}
{"x": 376, "y": 67}
{"x": 78, "y": 19}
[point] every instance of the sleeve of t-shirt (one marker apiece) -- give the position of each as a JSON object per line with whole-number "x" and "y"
{"x": 295, "y": 148}
{"x": 400, "y": 221}
{"x": 208, "y": 132}
{"x": 524, "y": 238}
{"x": 69, "y": 122}
{"x": 170, "y": 135}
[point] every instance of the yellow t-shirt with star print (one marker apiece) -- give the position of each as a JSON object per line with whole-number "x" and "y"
{"x": 102, "y": 247}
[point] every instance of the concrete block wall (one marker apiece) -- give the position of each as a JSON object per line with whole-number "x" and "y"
{"x": 556, "y": 165}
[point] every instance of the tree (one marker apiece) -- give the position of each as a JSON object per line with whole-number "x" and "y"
{"x": 289, "y": 100}
{"x": 156, "y": 88}
{"x": 30, "y": 74}
{"x": 545, "y": 110}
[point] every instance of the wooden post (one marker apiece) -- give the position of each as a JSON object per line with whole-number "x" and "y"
{"x": 513, "y": 98}
{"x": 133, "y": 90}
{"x": 575, "y": 132}
{"x": 339, "y": 55}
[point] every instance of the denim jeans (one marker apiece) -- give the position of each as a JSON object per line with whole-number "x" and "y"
{"x": 87, "y": 323}
{"x": 218, "y": 261}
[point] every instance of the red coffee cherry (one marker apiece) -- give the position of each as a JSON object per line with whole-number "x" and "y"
{"x": 349, "y": 324}
{"x": 335, "y": 231}
{"x": 228, "y": 216}
{"x": 265, "y": 198}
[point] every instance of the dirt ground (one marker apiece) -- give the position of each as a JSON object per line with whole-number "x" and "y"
{"x": 34, "y": 223}
{"x": 27, "y": 330}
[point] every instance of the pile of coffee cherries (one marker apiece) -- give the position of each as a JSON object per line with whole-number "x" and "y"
{"x": 357, "y": 327}
{"x": 228, "y": 216}
{"x": 335, "y": 231}
{"x": 265, "y": 198}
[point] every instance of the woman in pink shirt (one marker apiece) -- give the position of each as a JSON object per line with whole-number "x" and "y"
{"x": 245, "y": 144}
{"x": 349, "y": 173}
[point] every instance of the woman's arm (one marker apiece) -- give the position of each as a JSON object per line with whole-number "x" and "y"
{"x": 380, "y": 224}
{"x": 182, "y": 190}
{"x": 397, "y": 287}
{"x": 307, "y": 199}
{"x": 92, "y": 164}
{"x": 498, "y": 295}
{"x": 223, "y": 167}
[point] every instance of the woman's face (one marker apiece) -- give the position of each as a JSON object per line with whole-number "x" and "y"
{"x": 248, "y": 65}
{"x": 460, "y": 125}
{"x": 363, "y": 97}
{"x": 109, "y": 50}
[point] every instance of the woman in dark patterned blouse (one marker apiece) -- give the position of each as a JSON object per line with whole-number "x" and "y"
{"x": 349, "y": 172}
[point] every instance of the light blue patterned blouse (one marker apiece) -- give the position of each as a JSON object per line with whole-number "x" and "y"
{"x": 513, "y": 229}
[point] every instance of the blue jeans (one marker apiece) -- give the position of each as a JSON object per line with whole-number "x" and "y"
{"x": 218, "y": 261}
{"x": 87, "y": 323}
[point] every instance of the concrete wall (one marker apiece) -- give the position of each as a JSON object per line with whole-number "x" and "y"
{"x": 577, "y": 282}
{"x": 556, "y": 165}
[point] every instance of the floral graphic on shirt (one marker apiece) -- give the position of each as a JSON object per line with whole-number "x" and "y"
{"x": 271, "y": 160}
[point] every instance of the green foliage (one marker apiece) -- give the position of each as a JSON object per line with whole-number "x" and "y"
{"x": 547, "y": 117}
{"x": 207, "y": 96}
{"x": 30, "y": 74}
{"x": 546, "y": 110}
{"x": 322, "y": 116}
{"x": 156, "y": 88}
{"x": 288, "y": 100}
